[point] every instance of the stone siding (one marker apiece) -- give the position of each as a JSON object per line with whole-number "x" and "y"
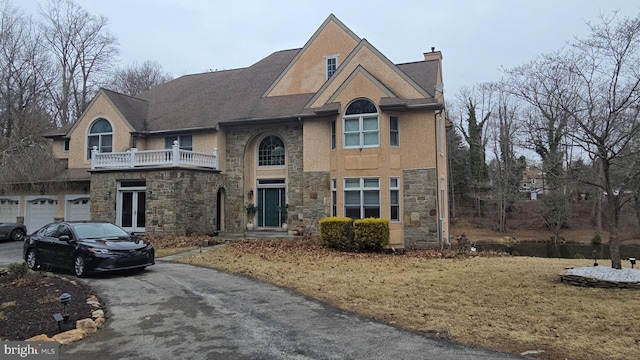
{"x": 317, "y": 199}
{"x": 179, "y": 201}
{"x": 238, "y": 138}
{"x": 420, "y": 208}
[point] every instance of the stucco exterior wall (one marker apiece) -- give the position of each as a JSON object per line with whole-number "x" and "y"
{"x": 101, "y": 107}
{"x": 308, "y": 73}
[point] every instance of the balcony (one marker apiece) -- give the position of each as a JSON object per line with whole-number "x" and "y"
{"x": 134, "y": 158}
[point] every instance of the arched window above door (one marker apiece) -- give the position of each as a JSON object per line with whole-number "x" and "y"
{"x": 271, "y": 151}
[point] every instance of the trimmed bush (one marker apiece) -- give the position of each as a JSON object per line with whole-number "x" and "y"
{"x": 371, "y": 234}
{"x": 337, "y": 232}
{"x": 596, "y": 239}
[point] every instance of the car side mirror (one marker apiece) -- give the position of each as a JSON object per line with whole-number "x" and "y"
{"x": 64, "y": 238}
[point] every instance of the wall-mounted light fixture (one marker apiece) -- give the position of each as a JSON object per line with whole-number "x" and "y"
{"x": 250, "y": 194}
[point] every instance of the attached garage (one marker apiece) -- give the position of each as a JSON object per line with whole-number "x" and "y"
{"x": 77, "y": 208}
{"x": 9, "y": 209}
{"x": 40, "y": 211}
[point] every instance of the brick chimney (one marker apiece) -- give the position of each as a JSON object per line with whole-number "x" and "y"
{"x": 433, "y": 55}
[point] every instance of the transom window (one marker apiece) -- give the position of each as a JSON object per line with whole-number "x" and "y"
{"x": 271, "y": 151}
{"x": 101, "y": 136}
{"x": 185, "y": 142}
{"x": 362, "y": 198}
{"x": 361, "y": 126}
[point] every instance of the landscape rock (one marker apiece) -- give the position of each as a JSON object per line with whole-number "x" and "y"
{"x": 86, "y": 325}
{"x": 70, "y": 336}
{"x": 97, "y": 314}
{"x": 100, "y": 321}
{"x": 41, "y": 337}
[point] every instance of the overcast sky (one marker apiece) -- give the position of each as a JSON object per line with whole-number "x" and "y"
{"x": 477, "y": 38}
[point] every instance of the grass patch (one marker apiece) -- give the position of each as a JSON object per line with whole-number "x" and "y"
{"x": 511, "y": 304}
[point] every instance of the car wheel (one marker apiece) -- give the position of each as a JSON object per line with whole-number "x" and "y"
{"x": 17, "y": 234}
{"x": 79, "y": 266}
{"x": 32, "y": 259}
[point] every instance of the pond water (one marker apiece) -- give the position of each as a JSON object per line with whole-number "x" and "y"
{"x": 567, "y": 251}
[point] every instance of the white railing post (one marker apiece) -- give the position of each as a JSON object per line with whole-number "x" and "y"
{"x": 94, "y": 153}
{"x": 215, "y": 158}
{"x": 132, "y": 157}
{"x": 176, "y": 153}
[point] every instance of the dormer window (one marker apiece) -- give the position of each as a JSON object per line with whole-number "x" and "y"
{"x": 100, "y": 136}
{"x": 332, "y": 65}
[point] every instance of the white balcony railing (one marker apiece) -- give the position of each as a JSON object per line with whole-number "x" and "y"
{"x": 135, "y": 158}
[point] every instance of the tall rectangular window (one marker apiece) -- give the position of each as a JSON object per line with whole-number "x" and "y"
{"x": 66, "y": 145}
{"x": 334, "y": 198}
{"x": 184, "y": 141}
{"x": 394, "y": 199}
{"x": 332, "y": 65}
{"x": 333, "y": 135}
{"x": 362, "y": 198}
{"x": 394, "y": 131}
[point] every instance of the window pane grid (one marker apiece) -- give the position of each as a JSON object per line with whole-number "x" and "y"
{"x": 271, "y": 152}
{"x": 362, "y": 198}
{"x": 394, "y": 199}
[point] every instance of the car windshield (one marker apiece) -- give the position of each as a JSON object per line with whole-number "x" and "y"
{"x": 98, "y": 230}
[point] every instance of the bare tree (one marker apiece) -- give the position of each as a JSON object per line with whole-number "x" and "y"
{"x": 547, "y": 87}
{"x": 24, "y": 74}
{"x": 473, "y": 101}
{"x": 505, "y": 169}
{"x": 134, "y": 79}
{"x": 84, "y": 51}
{"x": 606, "y": 117}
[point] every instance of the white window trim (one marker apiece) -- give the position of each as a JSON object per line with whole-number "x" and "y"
{"x": 395, "y": 188}
{"x": 361, "y": 189}
{"x": 361, "y": 131}
{"x": 99, "y": 136}
{"x": 397, "y": 131}
{"x": 326, "y": 65}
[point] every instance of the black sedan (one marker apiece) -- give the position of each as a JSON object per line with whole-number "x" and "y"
{"x": 87, "y": 247}
{"x": 12, "y": 231}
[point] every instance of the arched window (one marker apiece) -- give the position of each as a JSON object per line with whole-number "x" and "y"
{"x": 271, "y": 151}
{"x": 361, "y": 126}
{"x": 100, "y": 135}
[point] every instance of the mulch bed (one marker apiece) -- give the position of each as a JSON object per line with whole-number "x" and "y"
{"x": 27, "y": 305}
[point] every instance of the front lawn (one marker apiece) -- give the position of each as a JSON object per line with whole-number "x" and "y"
{"x": 511, "y": 304}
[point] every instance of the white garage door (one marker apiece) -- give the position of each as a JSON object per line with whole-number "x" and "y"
{"x": 78, "y": 209}
{"x": 39, "y": 212}
{"x": 9, "y": 208}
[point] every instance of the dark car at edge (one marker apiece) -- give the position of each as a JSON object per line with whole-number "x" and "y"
{"x": 86, "y": 247}
{"x": 12, "y": 231}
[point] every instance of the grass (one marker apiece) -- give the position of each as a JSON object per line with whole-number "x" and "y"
{"x": 511, "y": 304}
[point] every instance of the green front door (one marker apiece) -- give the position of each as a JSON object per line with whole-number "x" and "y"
{"x": 270, "y": 201}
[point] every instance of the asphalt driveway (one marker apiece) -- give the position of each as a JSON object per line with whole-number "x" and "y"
{"x": 177, "y": 311}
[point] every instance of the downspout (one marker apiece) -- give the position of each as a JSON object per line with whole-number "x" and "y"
{"x": 440, "y": 220}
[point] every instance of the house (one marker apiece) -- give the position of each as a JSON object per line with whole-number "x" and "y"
{"x": 532, "y": 182}
{"x": 330, "y": 129}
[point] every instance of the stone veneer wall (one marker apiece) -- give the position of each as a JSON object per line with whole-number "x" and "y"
{"x": 317, "y": 199}
{"x": 420, "y": 208}
{"x": 180, "y": 201}
{"x": 237, "y": 139}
